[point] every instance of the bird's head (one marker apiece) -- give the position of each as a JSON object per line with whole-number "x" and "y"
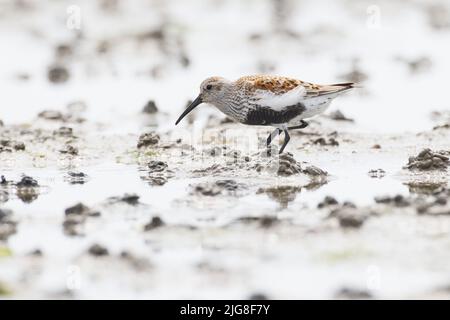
{"x": 212, "y": 90}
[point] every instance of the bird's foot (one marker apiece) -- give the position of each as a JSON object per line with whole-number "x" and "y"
{"x": 286, "y": 140}
{"x": 272, "y": 136}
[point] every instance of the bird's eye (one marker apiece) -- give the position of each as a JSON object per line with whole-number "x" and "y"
{"x": 209, "y": 87}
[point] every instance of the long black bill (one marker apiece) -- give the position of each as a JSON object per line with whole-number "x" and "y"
{"x": 191, "y": 107}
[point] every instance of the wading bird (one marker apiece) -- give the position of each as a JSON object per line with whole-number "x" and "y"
{"x": 279, "y": 102}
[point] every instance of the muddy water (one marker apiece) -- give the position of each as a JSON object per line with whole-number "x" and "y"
{"x": 200, "y": 210}
{"x": 221, "y": 224}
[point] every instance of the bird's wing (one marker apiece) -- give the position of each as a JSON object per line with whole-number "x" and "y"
{"x": 315, "y": 90}
{"x": 278, "y": 101}
{"x": 273, "y": 84}
{"x": 279, "y": 92}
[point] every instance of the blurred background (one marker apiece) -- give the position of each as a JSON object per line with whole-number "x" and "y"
{"x": 117, "y": 55}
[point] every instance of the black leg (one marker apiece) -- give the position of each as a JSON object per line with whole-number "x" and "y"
{"x": 303, "y": 125}
{"x": 286, "y": 140}
{"x": 272, "y": 136}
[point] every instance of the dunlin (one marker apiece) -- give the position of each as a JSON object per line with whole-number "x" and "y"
{"x": 263, "y": 100}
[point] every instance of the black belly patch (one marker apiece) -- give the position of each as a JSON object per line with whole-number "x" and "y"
{"x": 267, "y": 116}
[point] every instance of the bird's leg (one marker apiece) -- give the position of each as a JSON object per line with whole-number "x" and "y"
{"x": 286, "y": 140}
{"x": 272, "y": 136}
{"x": 303, "y": 125}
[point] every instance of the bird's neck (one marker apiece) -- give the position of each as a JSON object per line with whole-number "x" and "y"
{"x": 227, "y": 103}
{"x": 227, "y": 100}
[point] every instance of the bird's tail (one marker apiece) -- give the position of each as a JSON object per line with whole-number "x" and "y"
{"x": 334, "y": 89}
{"x": 339, "y": 87}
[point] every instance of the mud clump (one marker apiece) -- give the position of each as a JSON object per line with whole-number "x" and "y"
{"x": 150, "y": 108}
{"x": 51, "y": 115}
{"x": 350, "y": 219}
{"x": 81, "y": 210}
{"x": 58, "y": 74}
{"x": 97, "y": 250}
{"x": 228, "y": 184}
{"x": 353, "y": 293}
{"x": 263, "y": 221}
{"x": 438, "y": 205}
{"x": 314, "y": 171}
{"x": 64, "y": 132}
{"x": 27, "y": 182}
{"x": 72, "y": 115}
{"x": 157, "y": 166}
{"x": 339, "y": 116}
{"x": 215, "y": 151}
{"x": 10, "y": 145}
{"x": 331, "y": 202}
{"x": 155, "y": 180}
{"x": 76, "y": 177}
{"x": 285, "y": 165}
{"x": 71, "y": 226}
{"x": 36, "y": 253}
{"x": 326, "y": 142}
{"x": 349, "y": 216}
{"x": 429, "y": 160}
{"x": 288, "y": 165}
{"x": 27, "y": 189}
{"x": 8, "y": 226}
{"x": 435, "y": 203}
{"x": 377, "y": 173}
{"x": 131, "y": 199}
{"x": 442, "y": 126}
{"x": 156, "y": 222}
{"x": 64, "y": 50}
{"x": 148, "y": 139}
{"x": 268, "y": 221}
{"x": 327, "y": 201}
{"x": 258, "y": 296}
{"x": 206, "y": 189}
{"x": 157, "y": 173}
{"x": 396, "y": 201}
{"x": 137, "y": 263}
{"x": 442, "y": 118}
{"x": 3, "y": 149}
{"x": 70, "y": 150}
{"x": 218, "y": 187}
{"x": 420, "y": 64}
{"x": 435, "y": 209}
{"x": 75, "y": 217}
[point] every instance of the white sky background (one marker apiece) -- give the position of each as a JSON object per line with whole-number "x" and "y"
{"x": 215, "y": 38}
